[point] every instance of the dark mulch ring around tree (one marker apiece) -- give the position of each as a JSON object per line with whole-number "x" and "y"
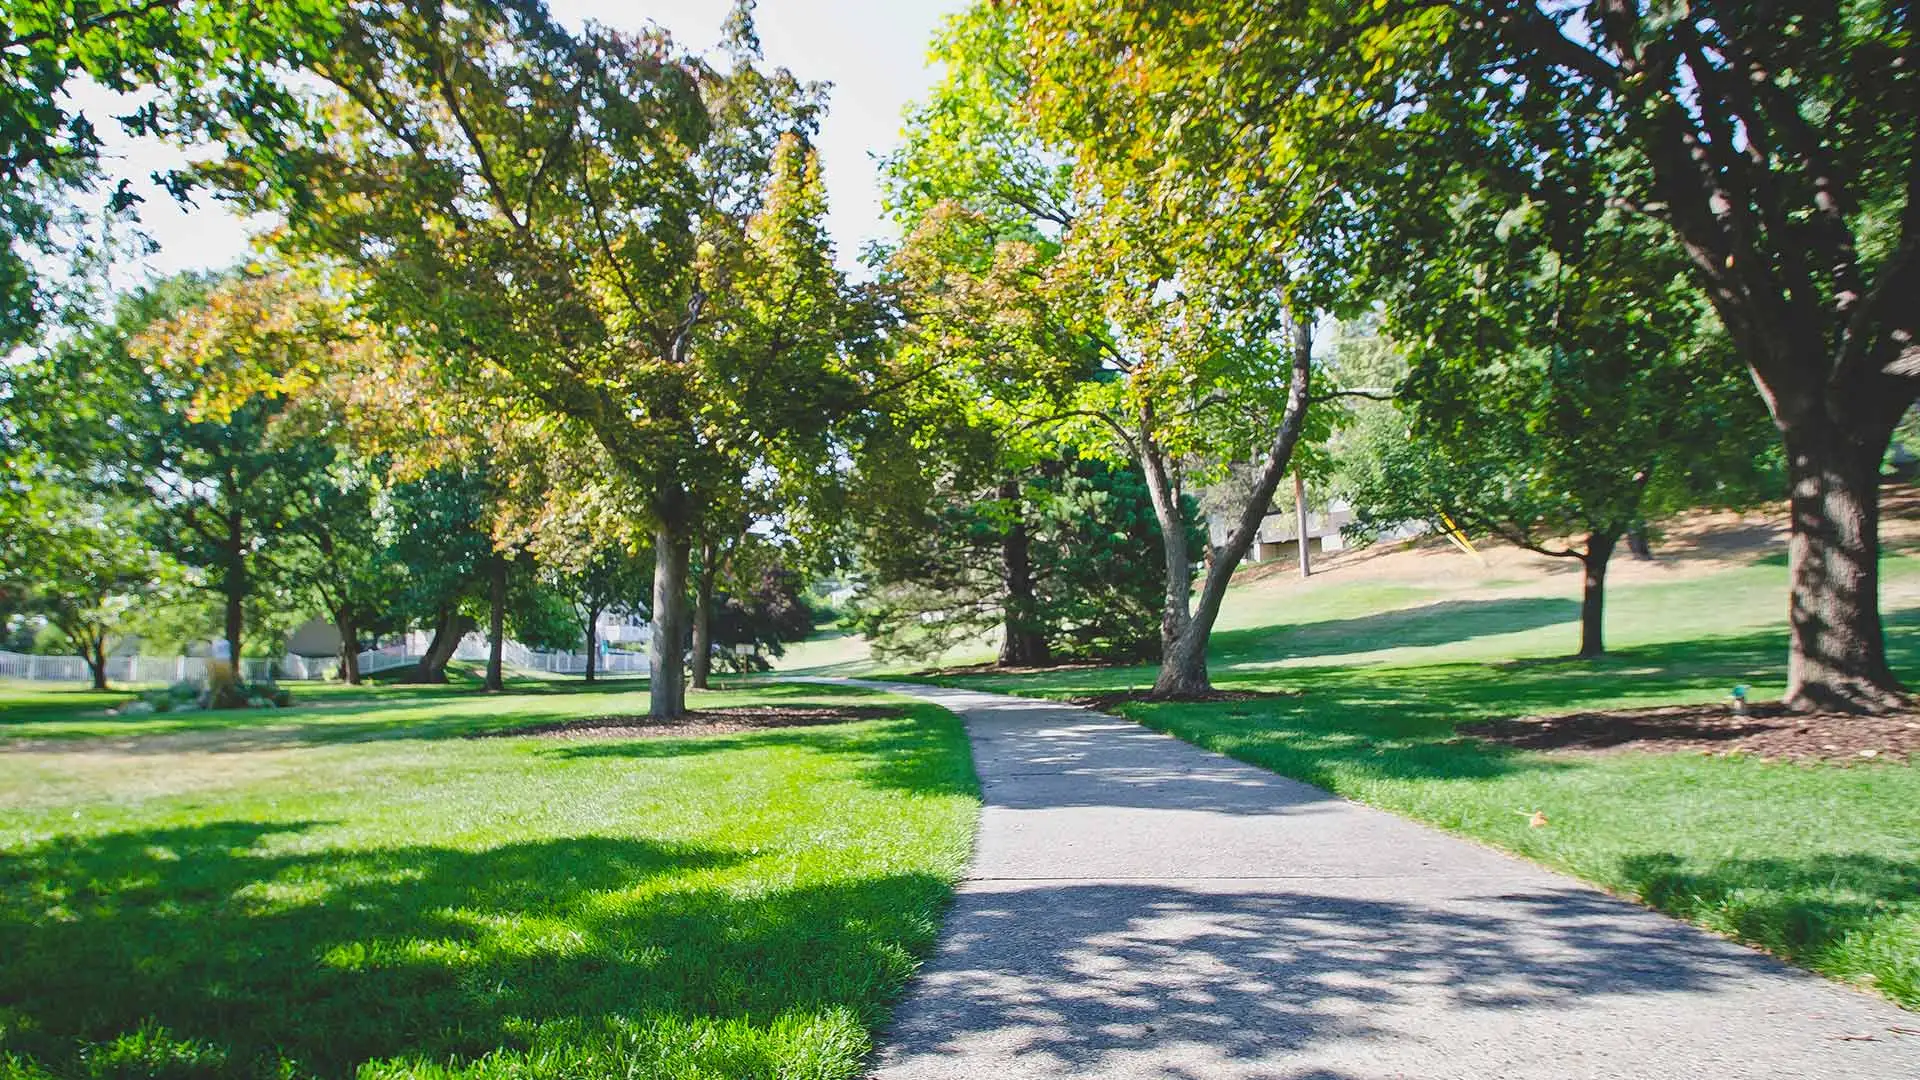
{"x": 1111, "y": 698}
{"x": 698, "y": 722}
{"x": 1769, "y": 732}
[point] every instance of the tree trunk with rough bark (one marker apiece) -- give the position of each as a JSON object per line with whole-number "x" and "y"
{"x": 666, "y": 665}
{"x": 1837, "y": 658}
{"x": 432, "y": 668}
{"x": 593, "y": 643}
{"x": 1022, "y": 644}
{"x": 496, "y": 620}
{"x": 1593, "y": 594}
{"x": 702, "y": 660}
{"x": 1186, "y": 625}
{"x": 95, "y": 654}
{"x": 349, "y": 648}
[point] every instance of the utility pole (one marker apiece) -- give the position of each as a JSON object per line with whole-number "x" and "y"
{"x": 1300, "y": 523}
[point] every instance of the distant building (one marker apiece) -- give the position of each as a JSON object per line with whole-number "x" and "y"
{"x": 1278, "y": 537}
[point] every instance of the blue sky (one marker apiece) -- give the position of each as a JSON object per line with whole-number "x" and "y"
{"x": 872, "y": 51}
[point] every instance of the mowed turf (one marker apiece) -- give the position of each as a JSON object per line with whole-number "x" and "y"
{"x": 1818, "y": 863}
{"x": 353, "y": 887}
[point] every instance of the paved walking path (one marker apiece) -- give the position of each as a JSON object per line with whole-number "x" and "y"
{"x": 1139, "y": 907}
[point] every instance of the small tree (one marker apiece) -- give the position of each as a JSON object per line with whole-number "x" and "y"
{"x": 123, "y": 408}
{"x": 1085, "y": 579}
{"x": 77, "y": 561}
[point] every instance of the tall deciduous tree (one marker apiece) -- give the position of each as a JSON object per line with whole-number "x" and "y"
{"x": 120, "y": 408}
{"x": 629, "y": 234}
{"x": 1779, "y": 145}
{"x": 1185, "y": 304}
{"x": 1565, "y": 378}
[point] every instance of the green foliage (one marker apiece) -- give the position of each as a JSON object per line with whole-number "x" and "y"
{"x": 219, "y": 494}
{"x": 77, "y": 561}
{"x": 542, "y": 617}
{"x": 595, "y": 227}
{"x": 206, "y": 69}
{"x": 1566, "y": 383}
{"x": 434, "y": 541}
{"x": 934, "y": 573}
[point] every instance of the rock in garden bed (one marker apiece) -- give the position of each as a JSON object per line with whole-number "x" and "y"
{"x": 699, "y": 722}
{"x": 1764, "y": 731}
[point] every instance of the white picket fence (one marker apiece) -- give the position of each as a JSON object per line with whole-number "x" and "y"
{"x": 171, "y": 669}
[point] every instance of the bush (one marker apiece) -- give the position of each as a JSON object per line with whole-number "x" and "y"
{"x": 179, "y": 696}
{"x": 233, "y": 694}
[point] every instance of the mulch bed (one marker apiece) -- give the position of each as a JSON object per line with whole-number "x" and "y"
{"x": 699, "y": 722}
{"x": 1123, "y": 697}
{"x": 1769, "y": 732}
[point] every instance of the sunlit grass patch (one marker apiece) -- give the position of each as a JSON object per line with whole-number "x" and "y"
{"x": 369, "y": 893}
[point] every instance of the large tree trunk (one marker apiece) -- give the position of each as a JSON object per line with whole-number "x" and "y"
{"x": 1186, "y": 626}
{"x": 496, "y": 620}
{"x": 234, "y": 586}
{"x": 703, "y": 618}
{"x": 1593, "y": 594}
{"x": 666, "y": 667}
{"x": 1022, "y": 643}
{"x": 236, "y": 595}
{"x": 95, "y": 654}
{"x": 1837, "y": 659}
{"x": 432, "y": 667}
{"x": 593, "y": 642}
{"x": 349, "y": 647}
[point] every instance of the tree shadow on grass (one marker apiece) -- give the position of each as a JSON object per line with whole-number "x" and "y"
{"x": 919, "y": 752}
{"x": 1392, "y": 722}
{"x": 335, "y": 719}
{"x": 255, "y": 953}
{"x": 1819, "y": 910}
{"x": 1442, "y": 623}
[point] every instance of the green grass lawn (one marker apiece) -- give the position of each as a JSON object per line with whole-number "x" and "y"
{"x": 350, "y": 887}
{"x": 1817, "y": 863}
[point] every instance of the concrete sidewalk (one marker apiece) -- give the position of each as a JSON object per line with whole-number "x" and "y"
{"x": 1139, "y": 907}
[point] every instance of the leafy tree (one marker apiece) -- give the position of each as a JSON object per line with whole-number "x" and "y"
{"x": 1561, "y": 375}
{"x": 1775, "y": 143}
{"x": 1170, "y": 322}
{"x": 434, "y": 530}
{"x": 936, "y": 573}
{"x": 208, "y": 68}
{"x": 761, "y": 618}
{"x": 111, "y": 408}
{"x": 79, "y": 562}
{"x": 630, "y": 235}
{"x": 540, "y": 616}
{"x": 336, "y": 556}
{"x": 612, "y": 578}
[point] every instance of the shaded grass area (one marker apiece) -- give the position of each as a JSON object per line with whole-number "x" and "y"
{"x": 377, "y": 896}
{"x": 1819, "y": 864}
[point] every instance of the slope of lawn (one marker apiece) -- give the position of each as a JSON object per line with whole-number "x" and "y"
{"x": 353, "y": 887}
{"x": 1817, "y": 863}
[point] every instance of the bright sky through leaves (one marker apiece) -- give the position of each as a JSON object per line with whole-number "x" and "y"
{"x": 872, "y": 51}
